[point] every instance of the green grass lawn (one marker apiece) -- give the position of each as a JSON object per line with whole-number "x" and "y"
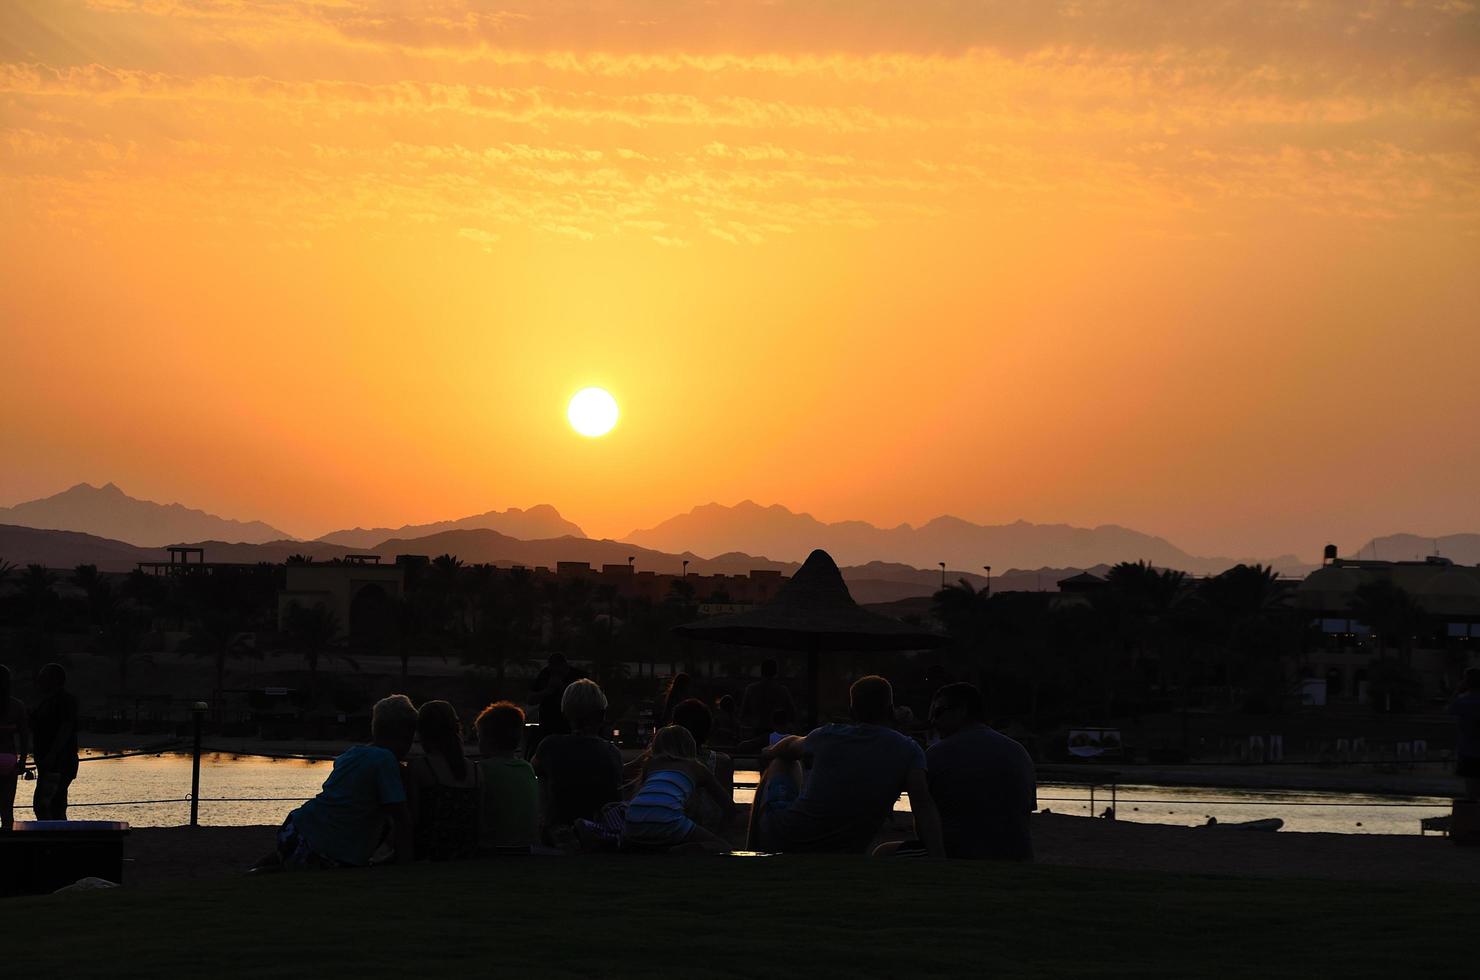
{"x": 692, "y": 917}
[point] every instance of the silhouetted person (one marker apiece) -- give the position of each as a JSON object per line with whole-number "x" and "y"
{"x": 54, "y": 736}
{"x": 858, "y": 772}
{"x": 445, "y": 787}
{"x": 763, "y": 699}
{"x": 657, "y": 818}
{"x": 343, "y": 826}
{"x": 982, "y": 781}
{"x": 579, "y": 772}
{"x": 678, "y": 690}
{"x": 509, "y": 813}
{"x": 726, "y": 727}
{"x": 545, "y": 693}
{"x": 15, "y": 740}
{"x": 1466, "y": 710}
{"x": 695, "y": 716}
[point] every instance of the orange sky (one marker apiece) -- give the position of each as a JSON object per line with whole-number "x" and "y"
{"x": 1208, "y": 270}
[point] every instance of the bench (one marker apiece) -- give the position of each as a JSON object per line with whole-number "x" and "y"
{"x": 40, "y": 856}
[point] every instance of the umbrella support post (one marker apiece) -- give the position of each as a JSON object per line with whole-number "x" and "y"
{"x": 814, "y": 687}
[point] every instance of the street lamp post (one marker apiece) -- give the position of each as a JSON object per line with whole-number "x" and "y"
{"x": 685, "y": 568}
{"x": 942, "y": 575}
{"x": 989, "y": 579}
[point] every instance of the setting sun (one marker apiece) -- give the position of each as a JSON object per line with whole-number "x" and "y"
{"x": 592, "y": 412}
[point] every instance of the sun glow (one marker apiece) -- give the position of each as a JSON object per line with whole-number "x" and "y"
{"x": 592, "y": 412}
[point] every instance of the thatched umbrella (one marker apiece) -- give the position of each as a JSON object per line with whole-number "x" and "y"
{"x": 814, "y": 613}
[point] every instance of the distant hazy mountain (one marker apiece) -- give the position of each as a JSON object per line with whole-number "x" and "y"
{"x": 540, "y": 521}
{"x": 778, "y": 533}
{"x": 1462, "y": 549}
{"x": 108, "y": 512}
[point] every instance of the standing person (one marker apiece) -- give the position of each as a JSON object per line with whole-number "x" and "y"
{"x": 545, "y": 693}
{"x": 343, "y": 825}
{"x": 15, "y": 743}
{"x": 579, "y": 772}
{"x": 509, "y": 809}
{"x": 726, "y": 730}
{"x": 858, "y": 772}
{"x": 678, "y": 691}
{"x": 982, "y": 781}
{"x": 444, "y": 786}
{"x": 1466, "y": 711}
{"x": 656, "y": 817}
{"x": 54, "y": 742}
{"x": 763, "y": 699}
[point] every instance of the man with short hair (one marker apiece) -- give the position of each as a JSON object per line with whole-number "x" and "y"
{"x": 579, "y": 772}
{"x": 858, "y": 772}
{"x": 763, "y": 700}
{"x": 982, "y": 781}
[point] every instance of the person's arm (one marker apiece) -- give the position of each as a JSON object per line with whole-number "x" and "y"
{"x": 927, "y": 818}
{"x": 401, "y": 834}
{"x": 713, "y": 788}
{"x": 789, "y": 749}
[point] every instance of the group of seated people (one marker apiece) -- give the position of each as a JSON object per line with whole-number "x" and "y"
{"x": 832, "y": 790}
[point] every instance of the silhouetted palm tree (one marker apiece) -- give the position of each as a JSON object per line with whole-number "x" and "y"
{"x": 119, "y": 636}
{"x": 216, "y": 635}
{"x": 313, "y": 633}
{"x": 1391, "y": 612}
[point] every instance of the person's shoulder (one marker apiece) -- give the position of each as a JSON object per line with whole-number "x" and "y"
{"x": 376, "y": 755}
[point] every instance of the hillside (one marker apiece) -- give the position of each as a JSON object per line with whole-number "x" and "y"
{"x": 108, "y": 512}
{"x": 540, "y": 521}
{"x": 778, "y": 533}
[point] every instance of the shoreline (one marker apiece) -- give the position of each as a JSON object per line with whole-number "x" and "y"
{"x": 1426, "y": 780}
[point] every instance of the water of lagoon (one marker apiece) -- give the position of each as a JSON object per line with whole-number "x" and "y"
{"x": 260, "y": 790}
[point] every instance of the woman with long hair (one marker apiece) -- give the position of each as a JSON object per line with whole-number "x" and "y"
{"x": 445, "y": 787}
{"x": 656, "y": 817}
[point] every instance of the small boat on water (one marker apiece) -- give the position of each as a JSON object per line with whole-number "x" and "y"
{"x": 1267, "y": 824}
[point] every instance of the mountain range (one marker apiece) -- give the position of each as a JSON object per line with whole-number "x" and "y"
{"x": 779, "y": 533}
{"x": 106, "y": 526}
{"x": 874, "y": 582}
{"x": 540, "y": 521}
{"x": 108, "y": 512}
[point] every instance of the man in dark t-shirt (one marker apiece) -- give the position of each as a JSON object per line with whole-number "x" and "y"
{"x": 858, "y": 772}
{"x": 581, "y": 771}
{"x": 982, "y": 781}
{"x": 54, "y": 737}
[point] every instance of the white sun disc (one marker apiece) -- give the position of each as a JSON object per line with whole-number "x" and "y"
{"x": 592, "y": 412}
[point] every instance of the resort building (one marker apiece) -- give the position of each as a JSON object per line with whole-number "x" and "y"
{"x": 1434, "y": 631}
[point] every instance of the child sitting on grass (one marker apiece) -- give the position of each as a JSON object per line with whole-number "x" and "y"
{"x": 655, "y": 818}
{"x": 344, "y": 824}
{"x": 509, "y": 810}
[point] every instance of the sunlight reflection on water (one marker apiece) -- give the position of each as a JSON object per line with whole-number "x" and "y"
{"x": 260, "y": 780}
